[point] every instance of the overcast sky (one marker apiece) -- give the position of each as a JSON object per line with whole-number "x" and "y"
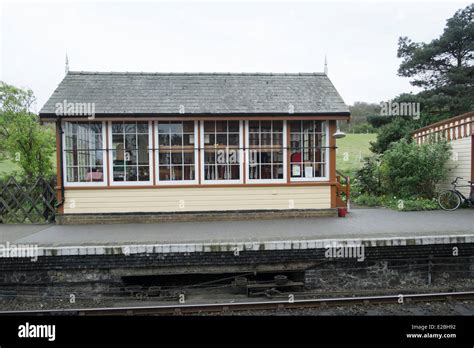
{"x": 359, "y": 39}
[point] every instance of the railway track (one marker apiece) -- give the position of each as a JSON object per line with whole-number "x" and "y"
{"x": 225, "y": 307}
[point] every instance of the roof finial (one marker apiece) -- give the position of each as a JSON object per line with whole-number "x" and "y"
{"x": 325, "y": 65}
{"x": 67, "y": 65}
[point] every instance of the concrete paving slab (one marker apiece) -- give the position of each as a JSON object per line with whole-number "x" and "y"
{"x": 360, "y": 223}
{"x": 11, "y": 233}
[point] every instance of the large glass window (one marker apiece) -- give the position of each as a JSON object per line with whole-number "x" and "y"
{"x": 266, "y": 150}
{"x": 308, "y": 150}
{"x": 176, "y": 151}
{"x": 222, "y": 143}
{"x": 131, "y": 152}
{"x": 84, "y": 152}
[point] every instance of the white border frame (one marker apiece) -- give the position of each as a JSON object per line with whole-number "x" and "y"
{"x": 326, "y": 163}
{"x": 196, "y": 157}
{"x": 102, "y": 183}
{"x": 150, "y": 158}
{"x": 247, "y": 154}
{"x": 241, "y": 157}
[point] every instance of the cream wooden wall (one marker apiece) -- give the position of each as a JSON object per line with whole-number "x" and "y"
{"x": 196, "y": 199}
{"x": 459, "y": 163}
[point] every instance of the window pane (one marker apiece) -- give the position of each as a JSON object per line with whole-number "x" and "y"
{"x": 119, "y": 173}
{"x": 130, "y": 128}
{"x": 71, "y": 174}
{"x": 295, "y": 126}
{"x": 131, "y": 173}
{"x": 221, "y": 155}
{"x": 266, "y": 157}
{"x": 130, "y": 151}
{"x": 266, "y": 126}
{"x": 83, "y": 152}
{"x": 164, "y": 173}
{"x": 307, "y": 147}
{"x": 164, "y": 158}
{"x": 131, "y": 158}
{"x": 266, "y": 139}
{"x": 254, "y": 172}
{"x": 143, "y": 158}
{"x": 210, "y": 172}
{"x": 269, "y": 138}
{"x": 142, "y": 127}
{"x": 210, "y": 156}
{"x": 177, "y": 172}
{"x": 164, "y": 140}
{"x": 209, "y": 126}
{"x": 189, "y": 157}
{"x": 278, "y": 171}
{"x": 177, "y": 148}
{"x": 176, "y": 158}
{"x": 188, "y": 127}
{"x": 254, "y": 139}
{"x": 117, "y": 127}
{"x": 176, "y": 127}
{"x": 234, "y": 172}
{"x": 163, "y": 128}
{"x": 143, "y": 142}
{"x": 234, "y": 126}
{"x": 143, "y": 173}
{"x": 176, "y": 140}
{"x": 221, "y": 126}
{"x": 221, "y": 139}
{"x": 188, "y": 172}
{"x": 254, "y": 126}
{"x": 277, "y": 139}
{"x": 130, "y": 141}
{"x": 233, "y": 139}
{"x": 188, "y": 139}
{"x": 277, "y": 126}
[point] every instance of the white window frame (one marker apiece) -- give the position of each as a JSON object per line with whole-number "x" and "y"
{"x": 326, "y": 163}
{"x": 104, "y": 158}
{"x": 247, "y": 158}
{"x": 157, "y": 164}
{"x": 241, "y": 157}
{"x": 110, "y": 158}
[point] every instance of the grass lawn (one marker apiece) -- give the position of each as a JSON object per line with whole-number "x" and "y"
{"x": 351, "y": 150}
{"x": 7, "y": 167}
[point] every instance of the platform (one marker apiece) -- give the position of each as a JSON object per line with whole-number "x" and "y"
{"x": 371, "y": 227}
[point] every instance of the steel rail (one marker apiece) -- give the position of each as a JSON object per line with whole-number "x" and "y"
{"x": 246, "y": 306}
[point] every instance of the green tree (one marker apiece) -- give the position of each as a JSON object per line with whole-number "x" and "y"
{"x": 399, "y": 128}
{"x": 360, "y": 112}
{"x": 21, "y": 134}
{"x": 443, "y": 67}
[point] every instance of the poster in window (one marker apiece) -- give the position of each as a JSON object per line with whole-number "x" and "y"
{"x": 295, "y": 170}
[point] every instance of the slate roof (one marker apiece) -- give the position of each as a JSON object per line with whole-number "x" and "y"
{"x": 156, "y": 94}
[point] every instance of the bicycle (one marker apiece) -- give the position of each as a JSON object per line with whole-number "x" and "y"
{"x": 451, "y": 199}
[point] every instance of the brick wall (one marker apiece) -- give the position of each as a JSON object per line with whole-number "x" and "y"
{"x": 123, "y": 218}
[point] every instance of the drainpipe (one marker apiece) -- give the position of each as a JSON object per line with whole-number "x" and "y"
{"x": 61, "y": 171}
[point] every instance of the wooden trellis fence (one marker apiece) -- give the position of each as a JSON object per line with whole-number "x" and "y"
{"x": 23, "y": 201}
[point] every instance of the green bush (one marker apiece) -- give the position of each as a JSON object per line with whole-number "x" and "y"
{"x": 368, "y": 178}
{"x": 409, "y": 170}
{"x": 416, "y": 204}
{"x": 368, "y": 200}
